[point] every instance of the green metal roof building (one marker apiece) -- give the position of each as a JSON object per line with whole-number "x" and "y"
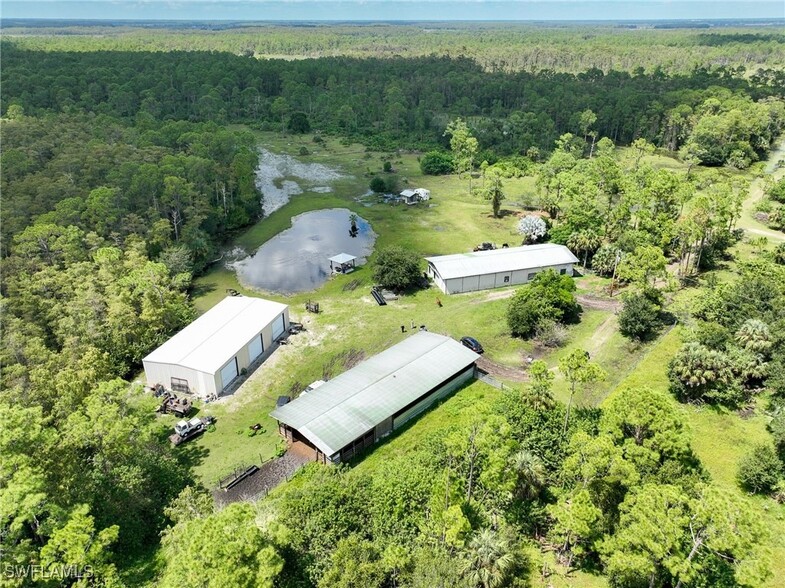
{"x": 367, "y": 402}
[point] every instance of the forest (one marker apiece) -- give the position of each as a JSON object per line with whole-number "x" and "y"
{"x": 127, "y": 170}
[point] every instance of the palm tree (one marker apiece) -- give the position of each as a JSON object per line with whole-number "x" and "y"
{"x": 490, "y": 560}
{"x": 531, "y": 474}
{"x": 755, "y": 336}
{"x": 585, "y": 242}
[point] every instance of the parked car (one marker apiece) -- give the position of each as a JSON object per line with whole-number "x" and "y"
{"x": 472, "y": 344}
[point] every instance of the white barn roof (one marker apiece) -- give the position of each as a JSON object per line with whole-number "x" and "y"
{"x": 495, "y": 261}
{"x": 353, "y": 403}
{"x": 214, "y": 338}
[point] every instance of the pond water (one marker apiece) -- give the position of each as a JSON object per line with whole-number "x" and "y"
{"x": 274, "y": 173}
{"x": 297, "y": 260}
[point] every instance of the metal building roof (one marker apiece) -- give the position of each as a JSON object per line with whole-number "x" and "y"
{"x": 215, "y": 337}
{"x": 353, "y": 403}
{"x": 461, "y": 265}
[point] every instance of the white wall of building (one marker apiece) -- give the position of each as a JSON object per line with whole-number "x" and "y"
{"x": 490, "y": 281}
{"x": 203, "y": 383}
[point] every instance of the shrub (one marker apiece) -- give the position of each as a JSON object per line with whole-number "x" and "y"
{"x": 639, "y": 316}
{"x": 777, "y": 429}
{"x": 549, "y": 333}
{"x": 777, "y": 191}
{"x": 436, "y": 163}
{"x": 304, "y": 151}
{"x": 549, "y": 296}
{"x": 760, "y": 470}
{"x": 378, "y": 184}
{"x": 387, "y": 167}
{"x": 397, "y": 269}
{"x": 298, "y": 123}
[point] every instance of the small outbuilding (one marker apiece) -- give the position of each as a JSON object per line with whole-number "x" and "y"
{"x": 484, "y": 270}
{"x": 357, "y": 408}
{"x": 342, "y": 263}
{"x": 414, "y": 196}
{"x": 210, "y": 353}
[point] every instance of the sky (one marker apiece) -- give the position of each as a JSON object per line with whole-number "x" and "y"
{"x": 391, "y": 10}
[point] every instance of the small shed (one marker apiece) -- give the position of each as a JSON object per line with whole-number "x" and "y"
{"x": 414, "y": 196}
{"x": 342, "y": 263}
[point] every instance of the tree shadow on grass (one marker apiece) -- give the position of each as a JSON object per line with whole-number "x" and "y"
{"x": 201, "y": 289}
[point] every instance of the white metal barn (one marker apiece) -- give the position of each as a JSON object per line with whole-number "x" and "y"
{"x": 483, "y": 270}
{"x": 207, "y": 355}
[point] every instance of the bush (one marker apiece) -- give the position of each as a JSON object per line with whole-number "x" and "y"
{"x": 397, "y": 269}
{"x": 387, "y": 167}
{"x": 436, "y": 163}
{"x": 777, "y": 191}
{"x": 760, "y": 470}
{"x": 298, "y": 123}
{"x": 549, "y": 333}
{"x": 777, "y": 429}
{"x": 304, "y": 151}
{"x": 378, "y": 184}
{"x": 549, "y": 296}
{"x": 639, "y": 316}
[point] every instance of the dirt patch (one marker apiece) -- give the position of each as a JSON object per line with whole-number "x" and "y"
{"x": 270, "y": 474}
{"x": 503, "y": 372}
{"x": 597, "y": 303}
{"x": 348, "y": 359}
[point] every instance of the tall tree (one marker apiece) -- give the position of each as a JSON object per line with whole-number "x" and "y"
{"x": 464, "y": 147}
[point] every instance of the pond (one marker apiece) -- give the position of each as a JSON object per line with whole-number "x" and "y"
{"x": 274, "y": 178}
{"x": 297, "y": 260}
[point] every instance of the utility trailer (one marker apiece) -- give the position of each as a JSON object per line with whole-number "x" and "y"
{"x": 187, "y": 430}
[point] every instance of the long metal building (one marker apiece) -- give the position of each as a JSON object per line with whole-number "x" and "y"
{"x": 357, "y": 408}
{"x": 483, "y": 270}
{"x": 209, "y": 354}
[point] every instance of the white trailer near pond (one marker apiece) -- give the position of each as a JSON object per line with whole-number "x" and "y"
{"x": 208, "y": 355}
{"x": 509, "y": 266}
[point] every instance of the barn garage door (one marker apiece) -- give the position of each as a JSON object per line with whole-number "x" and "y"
{"x": 255, "y": 347}
{"x": 278, "y": 327}
{"x": 229, "y": 373}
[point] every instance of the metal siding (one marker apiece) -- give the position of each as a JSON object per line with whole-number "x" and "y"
{"x": 487, "y": 281}
{"x": 426, "y": 402}
{"x": 501, "y": 260}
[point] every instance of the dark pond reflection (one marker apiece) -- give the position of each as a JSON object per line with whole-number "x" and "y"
{"x": 297, "y": 260}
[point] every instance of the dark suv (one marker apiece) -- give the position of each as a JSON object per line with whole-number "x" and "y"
{"x": 472, "y": 344}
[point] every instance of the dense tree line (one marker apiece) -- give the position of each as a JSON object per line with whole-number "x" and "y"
{"x": 496, "y": 46}
{"x": 407, "y": 103}
{"x": 180, "y": 186}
